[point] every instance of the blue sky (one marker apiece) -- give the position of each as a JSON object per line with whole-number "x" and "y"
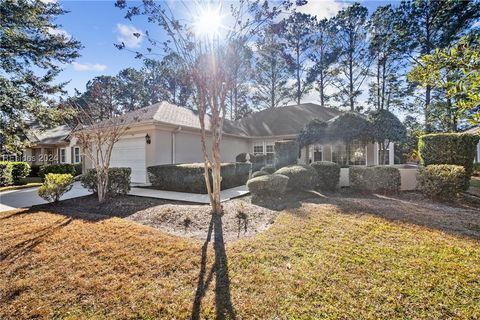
{"x": 99, "y": 24}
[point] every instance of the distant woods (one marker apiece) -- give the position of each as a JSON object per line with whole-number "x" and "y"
{"x": 356, "y": 60}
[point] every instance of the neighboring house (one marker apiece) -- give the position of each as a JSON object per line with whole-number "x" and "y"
{"x": 164, "y": 133}
{"x": 55, "y": 145}
{"x": 476, "y": 130}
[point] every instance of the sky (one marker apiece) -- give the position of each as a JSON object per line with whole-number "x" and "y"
{"x": 98, "y": 25}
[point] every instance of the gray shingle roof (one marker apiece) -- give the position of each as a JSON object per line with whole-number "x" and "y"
{"x": 54, "y": 135}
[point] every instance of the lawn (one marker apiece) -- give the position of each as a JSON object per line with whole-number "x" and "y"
{"x": 344, "y": 258}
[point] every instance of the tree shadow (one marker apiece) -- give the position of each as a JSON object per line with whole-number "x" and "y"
{"x": 223, "y": 302}
{"x": 22, "y": 248}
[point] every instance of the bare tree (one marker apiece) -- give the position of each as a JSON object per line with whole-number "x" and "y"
{"x": 96, "y": 139}
{"x": 202, "y": 43}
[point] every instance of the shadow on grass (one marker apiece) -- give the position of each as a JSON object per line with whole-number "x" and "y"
{"x": 223, "y": 303}
{"x": 26, "y": 246}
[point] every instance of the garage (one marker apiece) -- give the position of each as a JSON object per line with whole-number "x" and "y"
{"x": 130, "y": 152}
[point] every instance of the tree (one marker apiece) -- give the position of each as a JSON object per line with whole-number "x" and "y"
{"x": 316, "y": 131}
{"x": 205, "y": 58}
{"x": 32, "y": 50}
{"x": 348, "y": 127}
{"x": 100, "y": 98}
{"x": 425, "y": 25}
{"x": 455, "y": 72}
{"x": 298, "y": 36}
{"x": 324, "y": 56}
{"x": 408, "y": 148}
{"x": 130, "y": 93}
{"x": 384, "y": 128}
{"x": 351, "y": 30}
{"x": 271, "y": 75}
{"x": 386, "y": 90}
{"x": 241, "y": 69}
{"x": 97, "y": 139}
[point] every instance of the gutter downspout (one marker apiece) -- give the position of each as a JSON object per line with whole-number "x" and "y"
{"x": 173, "y": 143}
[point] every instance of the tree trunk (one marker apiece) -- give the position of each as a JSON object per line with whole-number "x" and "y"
{"x": 428, "y": 127}
{"x": 102, "y": 184}
{"x": 298, "y": 75}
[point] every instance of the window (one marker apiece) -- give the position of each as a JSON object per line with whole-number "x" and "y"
{"x": 76, "y": 155}
{"x": 258, "y": 149}
{"x": 356, "y": 155}
{"x": 63, "y": 155}
{"x": 317, "y": 153}
{"x": 270, "y": 152}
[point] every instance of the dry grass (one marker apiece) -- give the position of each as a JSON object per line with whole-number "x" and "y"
{"x": 317, "y": 261}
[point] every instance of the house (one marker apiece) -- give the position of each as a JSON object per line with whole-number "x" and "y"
{"x": 55, "y": 145}
{"x": 476, "y": 130}
{"x": 164, "y": 133}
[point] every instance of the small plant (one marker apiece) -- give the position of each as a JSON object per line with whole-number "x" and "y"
{"x": 54, "y": 186}
{"x": 186, "y": 223}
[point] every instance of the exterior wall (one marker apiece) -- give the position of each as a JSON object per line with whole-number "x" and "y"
{"x": 477, "y": 156}
{"x": 371, "y": 154}
{"x": 159, "y": 151}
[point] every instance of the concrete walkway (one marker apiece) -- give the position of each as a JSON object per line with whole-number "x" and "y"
{"x": 188, "y": 197}
{"x": 25, "y": 198}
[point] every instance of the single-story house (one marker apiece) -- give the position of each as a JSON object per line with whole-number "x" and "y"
{"x": 164, "y": 133}
{"x": 476, "y": 130}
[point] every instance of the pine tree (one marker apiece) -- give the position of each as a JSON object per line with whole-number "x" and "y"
{"x": 32, "y": 50}
{"x": 130, "y": 94}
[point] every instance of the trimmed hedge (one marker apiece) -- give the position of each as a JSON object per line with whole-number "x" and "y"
{"x": 476, "y": 169}
{"x": 328, "y": 174}
{"x": 241, "y": 157}
{"x": 449, "y": 148}
{"x": 268, "y": 168}
{"x": 259, "y": 174}
{"x": 189, "y": 177}
{"x": 118, "y": 181}
{"x": 375, "y": 179}
{"x": 5, "y": 174}
{"x": 257, "y": 161}
{"x": 34, "y": 170}
{"x": 17, "y": 170}
{"x": 54, "y": 186}
{"x": 272, "y": 185}
{"x": 442, "y": 181}
{"x": 286, "y": 153}
{"x": 301, "y": 176}
{"x": 60, "y": 168}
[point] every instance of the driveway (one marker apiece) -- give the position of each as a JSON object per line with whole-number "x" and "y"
{"x": 25, "y": 198}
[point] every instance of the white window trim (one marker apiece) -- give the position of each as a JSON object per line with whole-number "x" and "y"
{"x": 64, "y": 160}
{"x": 75, "y": 157}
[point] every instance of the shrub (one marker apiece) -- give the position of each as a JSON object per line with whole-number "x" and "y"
{"x": 476, "y": 168}
{"x": 189, "y": 177}
{"x": 301, "y": 177}
{"x": 118, "y": 181}
{"x": 34, "y": 170}
{"x": 259, "y": 174}
{"x": 5, "y": 174}
{"x": 449, "y": 148}
{"x": 375, "y": 179}
{"x": 18, "y": 170}
{"x": 54, "y": 186}
{"x": 78, "y": 169}
{"x": 286, "y": 153}
{"x": 268, "y": 168}
{"x": 328, "y": 174}
{"x": 242, "y": 157}
{"x": 442, "y": 181}
{"x": 259, "y": 161}
{"x": 62, "y": 168}
{"x": 268, "y": 185}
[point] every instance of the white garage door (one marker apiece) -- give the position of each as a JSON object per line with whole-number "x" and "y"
{"x": 130, "y": 152}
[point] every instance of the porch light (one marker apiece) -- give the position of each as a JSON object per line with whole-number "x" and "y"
{"x": 147, "y": 139}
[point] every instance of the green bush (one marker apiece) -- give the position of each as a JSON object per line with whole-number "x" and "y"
{"x": 259, "y": 174}
{"x": 54, "y": 186}
{"x": 476, "y": 169}
{"x": 286, "y": 153}
{"x": 259, "y": 161}
{"x": 61, "y": 168}
{"x": 375, "y": 179}
{"x": 301, "y": 177}
{"x": 328, "y": 174}
{"x": 5, "y": 174}
{"x": 78, "y": 169}
{"x": 442, "y": 181}
{"x": 241, "y": 157}
{"x": 268, "y": 168}
{"x": 18, "y": 170}
{"x": 449, "y": 148}
{"x": 118, "y": 181}
{"x": 34, "y": 170}
{"x": 271, "y": 185}
{"x": 189, "y": 177}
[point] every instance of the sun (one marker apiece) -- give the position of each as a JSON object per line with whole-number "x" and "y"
{"x": 208, "y": 22}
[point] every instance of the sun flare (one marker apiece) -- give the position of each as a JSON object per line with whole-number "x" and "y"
{"x": 208, "y": 22}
